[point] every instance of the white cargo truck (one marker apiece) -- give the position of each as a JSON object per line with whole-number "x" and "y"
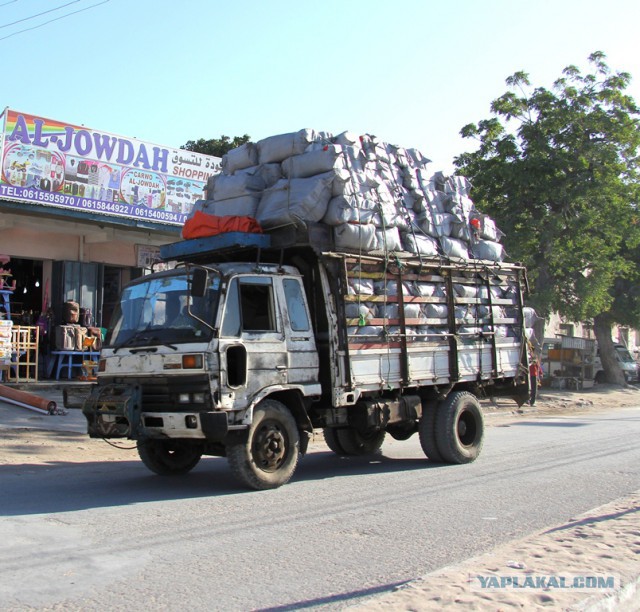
{"x": 254, "y": 342}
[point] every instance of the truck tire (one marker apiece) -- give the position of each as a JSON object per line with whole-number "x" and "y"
{"x": 169, "y": 457}
{"x": 331, "y": 440}
{"x": 269, "y": 456}
{"x": 355, "y": 443}
{"x": 427, "y": 431}
{"x": 460, "y": 428}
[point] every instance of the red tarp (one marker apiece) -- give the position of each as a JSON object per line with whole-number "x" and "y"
{"x": 202, "y": 225}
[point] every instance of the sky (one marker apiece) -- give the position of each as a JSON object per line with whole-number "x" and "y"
{"x": 411, "y": 72}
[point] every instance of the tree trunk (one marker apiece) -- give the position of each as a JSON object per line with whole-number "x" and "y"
{"x": 613, "y": 373}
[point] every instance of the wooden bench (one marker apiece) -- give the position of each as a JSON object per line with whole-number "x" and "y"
{"x": 65, "y": 359}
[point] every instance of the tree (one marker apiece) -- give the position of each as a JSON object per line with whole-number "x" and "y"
{"x": 215, "y": 146}
{"x": 558, "y": 170}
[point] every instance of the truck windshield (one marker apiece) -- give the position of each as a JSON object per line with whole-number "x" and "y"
{"x": 625, "y": 355}
{"x": 159, "y": 310}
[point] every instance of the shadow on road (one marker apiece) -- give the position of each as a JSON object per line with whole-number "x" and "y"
{"x": 63, "y": 487}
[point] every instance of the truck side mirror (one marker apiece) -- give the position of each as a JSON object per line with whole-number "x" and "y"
{"x": 199, "y": 282}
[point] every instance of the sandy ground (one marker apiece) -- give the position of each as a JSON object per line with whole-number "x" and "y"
{"x": 603, "y": 542}
{"x": 607, "y": 538}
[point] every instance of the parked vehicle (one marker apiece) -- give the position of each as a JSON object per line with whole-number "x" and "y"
{"x": 626, "y": 362}
{"x": 254, "y": 342}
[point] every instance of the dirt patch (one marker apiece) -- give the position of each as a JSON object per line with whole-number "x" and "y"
{"x": 41, "y": 447}
{"x": 557, "y": 402}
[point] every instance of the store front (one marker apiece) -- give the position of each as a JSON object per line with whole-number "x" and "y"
{"x": 81, "y": 213}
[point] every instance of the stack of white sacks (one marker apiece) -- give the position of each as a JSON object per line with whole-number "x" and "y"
{"x": 377, "y": 197}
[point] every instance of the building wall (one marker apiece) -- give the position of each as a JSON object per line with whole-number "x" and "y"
{"x": 557, "y": 326}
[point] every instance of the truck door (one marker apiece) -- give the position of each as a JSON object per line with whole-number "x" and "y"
{"x": 303, "y": 362}
{"x": 253, "y": 350}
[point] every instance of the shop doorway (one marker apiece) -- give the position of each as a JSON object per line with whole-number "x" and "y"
{"x": 113, "y": 281}
{"x": 26, "y": 299}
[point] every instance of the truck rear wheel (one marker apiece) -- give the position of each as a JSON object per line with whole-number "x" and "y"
{"x": 269, "y": 456}
{"x": 169, "y": 457}
{"x": 355, "y": 443}
{"x": 460, "y": 428}
{"x": 427, "y": 431}
{"x": 331, "y": 439}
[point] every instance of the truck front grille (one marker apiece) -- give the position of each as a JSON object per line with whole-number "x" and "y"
{"x": 162, "y": 394}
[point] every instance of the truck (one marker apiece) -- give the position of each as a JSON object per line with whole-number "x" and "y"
{"x": 627, "y": 363}
{"x": 254, "y": 343}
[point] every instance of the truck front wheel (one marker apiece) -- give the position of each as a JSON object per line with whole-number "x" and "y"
{"x": 269, "y": 456}
{"x": 169, "y": 457}
{"x": 460, "y": 428}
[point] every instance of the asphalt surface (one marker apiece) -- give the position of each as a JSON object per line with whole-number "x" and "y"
{"x": 14, "y": 417}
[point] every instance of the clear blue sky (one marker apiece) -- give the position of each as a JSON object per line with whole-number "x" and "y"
{"x": 412, "y": 72}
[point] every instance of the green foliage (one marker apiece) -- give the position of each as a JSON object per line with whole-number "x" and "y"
{"x": 215, "y": 146}
{"x": 558, "y": 170}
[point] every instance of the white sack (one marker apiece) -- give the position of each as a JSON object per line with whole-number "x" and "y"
{"x": 360, "y": 286}
{"x": 422, "y": 289}
{"x": 228, "y": 186}
{"x": 390, "y": 288}
{"x": 465, "y": 291}
{"x": 278, "y": 148}
{"x": 269, "y": 173}
{"x": 354, "y": 310}
{"x": 388, "y": 240}
{"x": 454, "y": 248}
{"x": 435, "y": 224}
{"x": 418, "y": 244}
{"x": 435, "y": 311}
{"x": 243, "y": 156}
{"x": 530, "y": 316}
{"x": 313, "y": 162}
{"x": 290, "y": 201}
{"x": 392, "y": 311}
{"x": 352, "y": 237}
{"x": 242, "y": 206}
{"x": 488, "y": 250}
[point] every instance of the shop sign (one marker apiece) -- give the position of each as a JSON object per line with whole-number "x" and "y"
{"x": 58, "y": 164}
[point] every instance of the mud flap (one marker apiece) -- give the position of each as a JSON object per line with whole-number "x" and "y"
{"x": 113, "y": 411}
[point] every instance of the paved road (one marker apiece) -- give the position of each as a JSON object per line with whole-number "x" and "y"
{"x": 113, "y": 536}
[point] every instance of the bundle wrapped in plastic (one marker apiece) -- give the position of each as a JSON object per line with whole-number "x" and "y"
{"x": 278, "y": 148}
{"x": 381, "y": 197}
{"x": 486, "y": 249}
{"x": 295, "y": 200}
{"x": 314, "y": 161}
{"x": 243, "y": 156}
{"x": 361, "y": 286}
{"x": 355, "y": 237}
{"x": 423, "y": 245}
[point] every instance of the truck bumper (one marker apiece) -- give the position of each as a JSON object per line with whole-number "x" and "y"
{"x": 211, "y": 426}
{"x": 113, "y": 411}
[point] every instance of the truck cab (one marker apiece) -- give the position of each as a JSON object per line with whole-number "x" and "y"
{"x": 627, "y": 363}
